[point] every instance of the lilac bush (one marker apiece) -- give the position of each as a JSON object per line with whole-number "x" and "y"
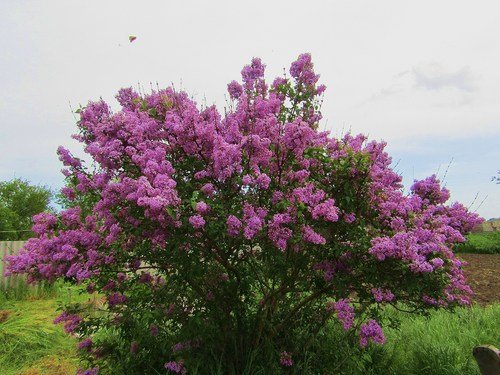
{"x": 216, "y": 236}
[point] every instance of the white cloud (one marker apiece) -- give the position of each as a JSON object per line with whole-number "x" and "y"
{"x": 433, "y": 76}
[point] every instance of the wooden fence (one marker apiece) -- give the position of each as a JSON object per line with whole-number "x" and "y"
{"x": 14, "y": 281}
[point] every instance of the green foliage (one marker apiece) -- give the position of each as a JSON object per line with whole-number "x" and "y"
{"x": 19, "y": 201}
{"x": 481, "y": 243}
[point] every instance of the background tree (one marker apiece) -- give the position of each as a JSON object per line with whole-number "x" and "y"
{"x": 19, "y": 202}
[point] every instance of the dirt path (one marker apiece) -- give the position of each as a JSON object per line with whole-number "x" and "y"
{"x": 483, "y": 275}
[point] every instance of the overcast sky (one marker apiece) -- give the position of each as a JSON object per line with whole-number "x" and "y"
{"x": 422, "y": 75}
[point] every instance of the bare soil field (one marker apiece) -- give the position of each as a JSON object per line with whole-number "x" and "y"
{"x": 483, "y": 275}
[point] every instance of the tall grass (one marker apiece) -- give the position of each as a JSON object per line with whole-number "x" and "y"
{"x": 23, "y": 291}
{"x": 439, "y": 344}
{"x": 30, "y": 342}
{"x": 481, "y": 243}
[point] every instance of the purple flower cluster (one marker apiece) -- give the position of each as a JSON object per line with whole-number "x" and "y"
{"x": 382, "y": 295}
{"x": 326, "y": 210}
{"x": 309, "y": 235}
{"x": 302, "y": 70}
{"x": 286, "y": 359}
{"x": 345, "y": 312}
{"x": 253, "y": 219}
{"x": 90, "y": 371}
{"x": 430, "y": 190}
{"x": 134, "y": 347}
{"x": 233, "y": 225}
{"x": 235, "y": 90}
{"x": 197, "y": 221}
{"x": 85, "y": 344}
{"x": 176, "y": 367}
{"x": 371, "y": 331}
{"x": 115, "y": 299}
{"x": 253, "y": 72}
{"x": 71, "y": 321}
{"x": 153, "y": 329}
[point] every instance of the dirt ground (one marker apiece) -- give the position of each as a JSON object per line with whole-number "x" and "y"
{"x": 483, "y": 275}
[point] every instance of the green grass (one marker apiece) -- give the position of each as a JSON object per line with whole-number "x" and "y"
{"x": 481, "y": 243}
{"x": 439, "y": 344}
{"x": 30, "y": 343}
{"x": 22, "y": 291}
{"x": 30, "y": 340}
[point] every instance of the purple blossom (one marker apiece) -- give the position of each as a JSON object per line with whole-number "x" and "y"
{"x": 127, "y": 97}
{"x": 153, "y": 329}
{"x": 43, "y": 222}
{"x": 326, "y": 210}
{"x": 68, "y": 159}
{"x": 247, "y": 180}
{"x": 263, "y": 181}
{"x": 208, "y": 189}
{"x": 286, "y": 359}
{"x": 279, "y": 81}
{"x": 278, "y": 231}
{"x": 345, "y": 312}
{"x": 382, "y": 295}
{"x": 116, "y": 299}
{"x": 253, "y": 218}
{"x": 176, "y": 367}
{"x": 197, "y": 221}
{"x": 371, "y": 331}
{"x": 85, "y": 344}
{"x": 71, "y": 321}
{"x": 309, "y": 235}
{"x": 302, "y": 70}
{"x": 233, "y": 225}
{"x": 134, "y": 347}
{"x": 235, "y": 90}
{"x": 349, "y": 218}
{"x": 431, "y": 190}
{"x": 252, "y": 72}
{"x": 90, "y": 371}
{"x": 437, "y": 262}
{"x": 202, "y": 208}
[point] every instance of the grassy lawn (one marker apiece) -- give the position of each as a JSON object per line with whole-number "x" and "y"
{"x": 442, "y": 343}
{"x": 30, "y": 343}
{"x": 439, "y": 344}
{"x": 481, "y": 243}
